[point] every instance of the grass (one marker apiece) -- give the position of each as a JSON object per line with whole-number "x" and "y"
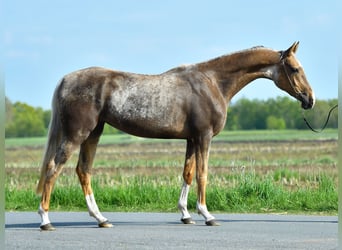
{"x": 247, "y": 192}
{"x": 294, "y": 174}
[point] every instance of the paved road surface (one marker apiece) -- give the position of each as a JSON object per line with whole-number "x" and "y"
{"x": 164, "y": 231}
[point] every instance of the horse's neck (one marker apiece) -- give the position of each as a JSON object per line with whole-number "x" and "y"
{"x": 235, "y": 71}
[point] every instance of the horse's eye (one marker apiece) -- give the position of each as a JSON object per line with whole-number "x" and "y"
{"x": 294, "y": 70}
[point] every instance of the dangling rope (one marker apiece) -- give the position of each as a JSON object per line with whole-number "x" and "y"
{"x": 325, "y": 124}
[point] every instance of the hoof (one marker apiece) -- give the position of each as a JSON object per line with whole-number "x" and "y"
{"x": 105, "y": 224}
{"x": 212, "y": 223}
{"x": 188, "y": 221}
{"x": 47, "y": 227}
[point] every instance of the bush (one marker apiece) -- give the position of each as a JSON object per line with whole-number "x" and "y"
{"x": 273, "y": 122}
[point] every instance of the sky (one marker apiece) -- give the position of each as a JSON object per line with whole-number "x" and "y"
{"x": 44, "y": 40}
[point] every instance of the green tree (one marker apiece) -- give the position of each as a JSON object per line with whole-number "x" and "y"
{"x": 26, "y": 121}
{"x": 273, "y": 122}
{"x": 247, "y": 114}
{"x": 286, "y": 108}
{"x": 46, "y": 118}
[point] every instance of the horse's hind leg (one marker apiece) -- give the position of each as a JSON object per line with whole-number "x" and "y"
{"x": 83, "y": 170}
{"x": 55, "y": 167}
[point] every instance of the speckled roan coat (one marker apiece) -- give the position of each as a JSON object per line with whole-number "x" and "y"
{"x": 187, "y": 102}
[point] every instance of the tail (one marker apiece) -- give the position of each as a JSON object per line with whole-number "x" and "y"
{"x": 54, "y": 137}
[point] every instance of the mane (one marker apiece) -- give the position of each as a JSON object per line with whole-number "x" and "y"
{"x": 244, "y": 51}
{"x": 243, "y": 58}
{"x": 259, "y": 47}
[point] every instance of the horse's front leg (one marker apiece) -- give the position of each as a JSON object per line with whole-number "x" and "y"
{"x": 202, "y": 157}
{"x": 188, "y": 173}
{"x": 85, "y": 161}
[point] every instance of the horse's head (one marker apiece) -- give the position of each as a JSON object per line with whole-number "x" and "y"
{"x": 292, "y": 79}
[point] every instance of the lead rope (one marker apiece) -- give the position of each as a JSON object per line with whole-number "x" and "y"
{"x": 325, "y": 124}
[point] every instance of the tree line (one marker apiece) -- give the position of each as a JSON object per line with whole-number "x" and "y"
{"x": 279, "y": 113}
{"x": 23, "y": 120}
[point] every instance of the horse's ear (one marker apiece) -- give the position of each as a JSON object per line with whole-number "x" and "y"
{"x": 291, "y": 50}
{"x": 294, "y": 47}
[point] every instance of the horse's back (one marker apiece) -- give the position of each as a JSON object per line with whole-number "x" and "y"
{"x": 145, "y": 105}
{"x": 148, "y": 105}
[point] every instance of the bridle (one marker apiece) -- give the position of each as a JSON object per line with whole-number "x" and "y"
{"x": 282, "y": 61}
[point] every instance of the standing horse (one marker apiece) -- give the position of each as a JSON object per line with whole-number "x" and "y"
{"x": 187, "y": 102}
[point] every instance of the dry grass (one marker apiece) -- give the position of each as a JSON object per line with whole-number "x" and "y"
{"x": 295, "y": 162}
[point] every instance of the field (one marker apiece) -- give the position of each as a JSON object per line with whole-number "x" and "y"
{"x": 249, "y": 171}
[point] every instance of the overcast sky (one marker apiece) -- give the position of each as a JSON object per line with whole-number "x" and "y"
{"x": 45, "y": 40}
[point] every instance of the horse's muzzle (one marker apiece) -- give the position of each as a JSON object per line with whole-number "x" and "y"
{"x": 307, "y": 101}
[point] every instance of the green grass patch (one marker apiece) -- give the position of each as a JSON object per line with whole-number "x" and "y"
{"x": 255, "y": 194}
{"x": 241, "y": 193}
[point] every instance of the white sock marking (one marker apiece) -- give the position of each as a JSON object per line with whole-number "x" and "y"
{"x": 44, "y": 215}
{"x": 93, "y": 208}
{"x": 183, "y": 201}
{"x": 202, "y": 209}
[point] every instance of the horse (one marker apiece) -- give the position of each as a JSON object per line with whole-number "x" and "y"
{"x": 187, "y": 102}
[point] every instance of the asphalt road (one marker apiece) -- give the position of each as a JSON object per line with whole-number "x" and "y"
{"x": 164, "y": 231}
